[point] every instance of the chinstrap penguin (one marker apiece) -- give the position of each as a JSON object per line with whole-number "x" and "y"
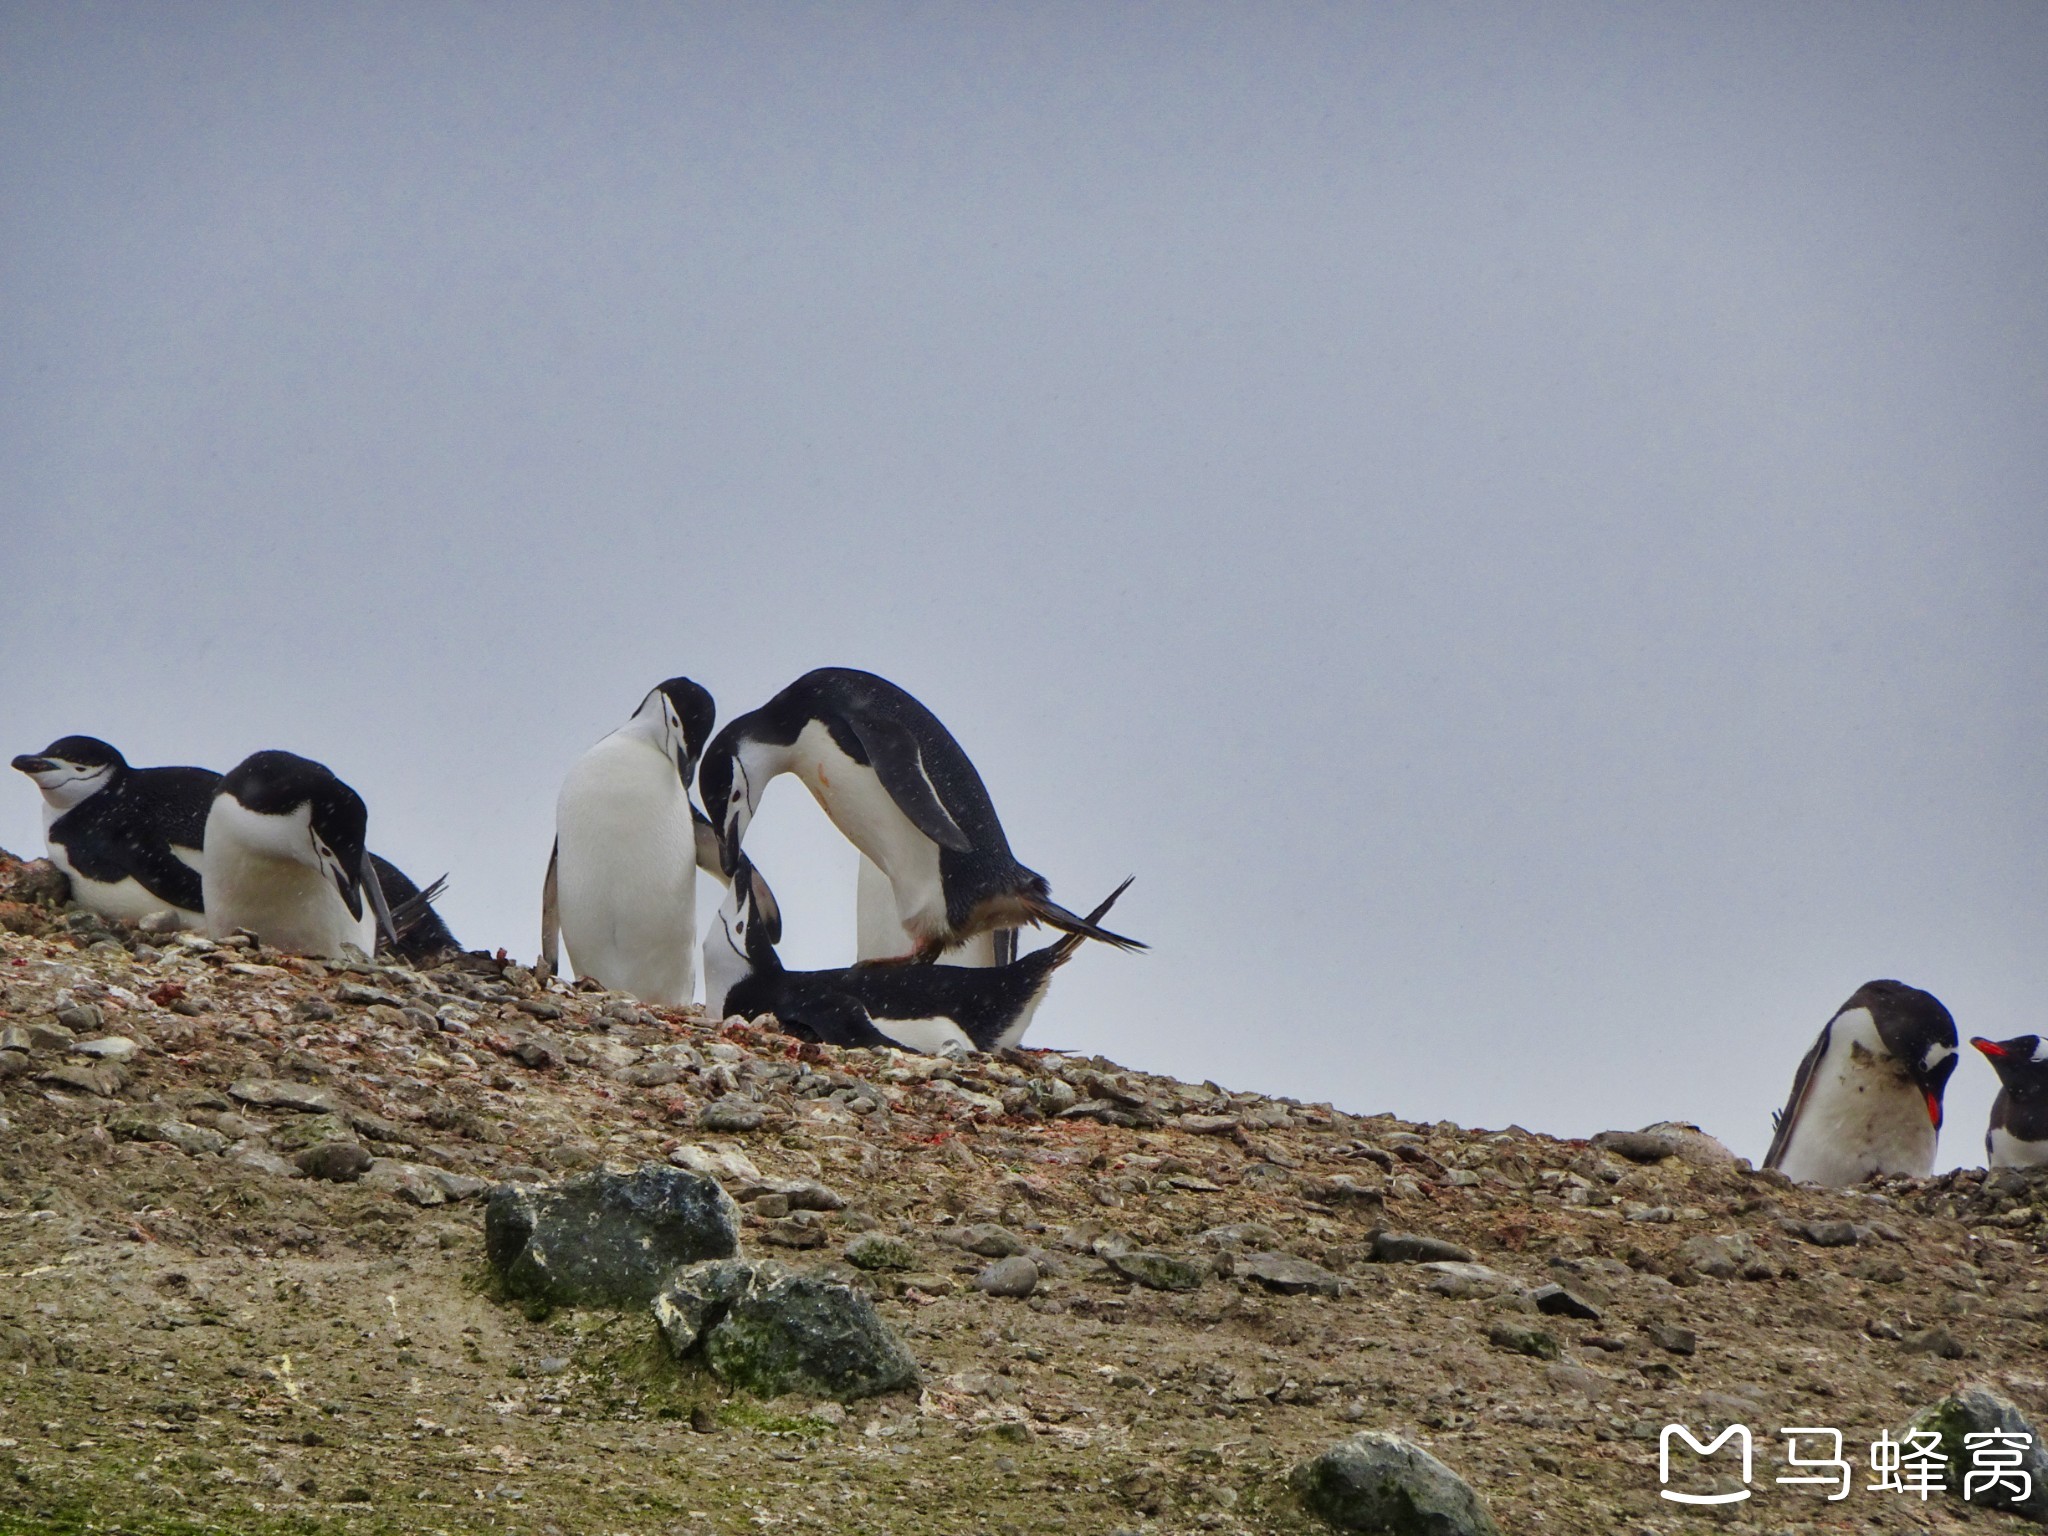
{"x": 284, "y": 859}
{"x": 128, "y": 838}
{"x": 621, "y": 887}
{"x": 1867, "y": 1097}
{"x": 894, "y": 780}
{"x": 2018, "y": 1134}
{"x": 935, "y": 1008}
{"x": 879, "y": 933}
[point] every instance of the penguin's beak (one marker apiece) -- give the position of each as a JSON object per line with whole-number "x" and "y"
{"x": 33, "y": 765}
{"x": 1990, "y": 1048}
{"x": 1934, "y": 1109}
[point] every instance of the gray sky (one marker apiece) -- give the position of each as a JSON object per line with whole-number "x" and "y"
{"x": 1522, "y": 526}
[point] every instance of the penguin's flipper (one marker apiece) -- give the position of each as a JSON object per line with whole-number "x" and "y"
{"x": 166, "y": 876}
{"x": 551, "y": 917}
{"x": 373, "y": 883}
{"x": 892, "y": 753}
{"x": 1787, "y": 1120}
{"x": 708, "y": 857}
{"x": 830, "y": 1017}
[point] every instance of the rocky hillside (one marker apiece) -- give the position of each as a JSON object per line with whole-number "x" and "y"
{"x": 243, "y": 1288}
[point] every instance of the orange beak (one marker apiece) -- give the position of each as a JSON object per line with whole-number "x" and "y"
{"x": 1934, "y": 1110}
{"x": 1988, "y": 1047}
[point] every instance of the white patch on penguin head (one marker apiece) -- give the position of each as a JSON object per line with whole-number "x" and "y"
{"x": 65, "y": 783}
{"x": 1935, "y": 1055}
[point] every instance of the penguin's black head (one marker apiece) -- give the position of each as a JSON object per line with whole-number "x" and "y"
{"x": 2021, "y": 1062}
{"x": 71, "y": 768}
{"x": 677, "y": 716}
{"x": 761, "y": 917}
{"x": 694, "y": 711}
{"x": 297, "y": 809}
{"x": 728, "y": 799}
{"x": 1918, "y": 1031}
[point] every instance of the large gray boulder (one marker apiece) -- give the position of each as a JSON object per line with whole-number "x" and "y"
{"x": 1976, "y": 1410}
{"x": 768, "y": 1330}
{"x": 1378, "y": 1484}
{"x": 606, "y": 1239}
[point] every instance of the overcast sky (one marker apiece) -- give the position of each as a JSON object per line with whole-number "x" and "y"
{"x": 1522, "y": 526}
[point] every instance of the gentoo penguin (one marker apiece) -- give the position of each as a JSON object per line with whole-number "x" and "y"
{"x": 1867, "y": 1098}
{"x": 284, "y": 858}
{"x": 920, "y": 1008}
{"x": 2018, "y": 1135}
{"x": 621, "y": 886}
{"x": 894, "y": 780}
{"x": 880, "y": 934}
{"x": 128, "y": 838}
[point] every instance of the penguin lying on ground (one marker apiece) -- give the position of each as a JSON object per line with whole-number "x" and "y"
{"x": 284, "y": 859}
{"x": 128, "y": 838}
{"x": 919, "y": 1008}
{"x": 621, "y": 887}
{"x": 894, "y": 780}
{"x": 1867, "y": 1097}
{"x": 131, "y": 840}
{"x": 2018, "y": 1134}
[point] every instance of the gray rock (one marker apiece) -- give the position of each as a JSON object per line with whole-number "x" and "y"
{"x": 1378, "y": 1484}
{"x": 1936, "y": 1341}
{"x": 1288, "y": 1275}
{"x": 108, "y": 1048}
{"x": 1519, "y": 1339}
{"x": 362, "y": 997}
{"x": 1013, "y": 1276}
{"x": 1559, "y": 1302}
{"x": 253, "y": 1154}
{"x": 1721, "y": 1257}
{"x": 311, "y": 1131}
{"x": 988, "y": 1240}
{"x": 1823, "y": 1234}
{"x": 144, "y": 1126}
{"x": 1463, "y": 1281}
{"x": 1159, "y": 1271}
{"x": 271, "y": 1093}
{"x": 1415, "y": 1248}
{"x": 1978, "y": 1410}
{"x": 411, "y": 1182}
{"x": 606, "y": 1239}
{"x": 1638, "y": 1146}
{"x": 877, "y": 1250}
{"x": 733, "y": 1112}
{"x": 49, "y": 1035}
{"x": 768, "y": 1331}
{"x": 14, "y": 1038}
{"x": 338, "y": 1162}
{"x": 1672, "y": 1339}
{"x": 82, "y": 1018}
{"x": 802, "y": 1229}
{"x": 1240, "y": 1234}
{"x": 103, "y": 1079}
{"x": 1695, "y": 1146}
{"x": 1342, "y": 1190}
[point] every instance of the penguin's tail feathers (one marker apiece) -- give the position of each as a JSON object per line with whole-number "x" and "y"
{"x": 1045, "y": 910}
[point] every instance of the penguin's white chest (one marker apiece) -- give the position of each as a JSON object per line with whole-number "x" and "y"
{"x": 255, "y": 876}
{"x": 2008, "y": 1151}
{"x": 127, "y": 898}
{"x": 626, "y": 871}
{"x": 1863, "y": 1114}
{"x": 852, "y": 795}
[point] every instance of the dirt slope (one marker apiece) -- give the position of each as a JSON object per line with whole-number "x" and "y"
{"x": 193, "y": 1336}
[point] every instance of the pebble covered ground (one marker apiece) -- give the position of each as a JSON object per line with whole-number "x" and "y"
{"x": 242, "y": 1286}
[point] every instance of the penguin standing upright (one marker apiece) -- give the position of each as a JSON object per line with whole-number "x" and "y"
{"x": 285, "y": 859}
{"x": 621, "y": 887}
{"x": 880, "y": 934}
{"x": 2017, "y": 1136}
{"x": 920, "y": 1008}
{"x": 894, "y": 780}
{"x": 128, "y": 838}
{"x": 1867, "y": 1096}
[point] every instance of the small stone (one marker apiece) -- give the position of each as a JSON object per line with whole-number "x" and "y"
{"x": 877, "y": 1250}
{"x": 703, "y": 1420}
{"x": 82, "y": 1018}
{"x": 1519, "y": 1339}
{"x": 1823, "y": 1234}
{"x": 270, "y": 1093}
{"x": 991, "y": 1241}
{"x": 409, "y": 1181}
{"x": 1378, "y": 1484}
{"x": 107, "y": 1048}
{"x": 1978, "y": 1410}
{"x": 1722, "y": 1257}
{"x": 1938, "y": 1342}
{"x": 768, "y": 1331}
{"x": 1158, "y": 1271}
{"x": 1463, "y": 1281}
{"x": 103, "y": 1080}
{"x": 1013, "y": 1276}
{"x": 804, "y": 1229}
{"x": 1208, "y": 1125}
{"x": 733, "y": 1112}
{"x": 1559, "y": 1302}
{"x": 810, "y": 1195}
{"x": 1344, "y": 1192}
{"x": 1240, "y": 1234}
{"x": 1638, "y": 1146}
{"x": 48, "y": 1035}
{"x": 1672, "y": 1339}
{"x": 1288, "y": 1275}
{"x": 338, "y": 1162}
{"x": 253, "y": 1154}
{"x": 363, "y": 997}
{"x": 1414, "y": 1248}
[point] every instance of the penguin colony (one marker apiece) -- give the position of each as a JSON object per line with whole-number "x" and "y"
{"x": 277, "y": 847}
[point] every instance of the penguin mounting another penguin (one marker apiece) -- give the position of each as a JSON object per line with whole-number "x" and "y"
{"x": 879, "y": 933}
{"x": 128, "y": 838}
{"x": 621, "y": 886}
{"x": 284, "y": 858}
{"x": 1867, "y": 1097}
{"x": 894, "y": 780}
{"x": 2017, "y": 1136}
{"x": 933, "y": 1009}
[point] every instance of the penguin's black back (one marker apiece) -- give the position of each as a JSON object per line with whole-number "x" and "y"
{"x": 128, "y": 828}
